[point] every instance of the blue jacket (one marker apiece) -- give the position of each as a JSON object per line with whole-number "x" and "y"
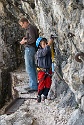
{"x": 44, "y": 57}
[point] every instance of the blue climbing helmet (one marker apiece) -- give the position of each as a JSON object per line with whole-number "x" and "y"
{"x": 38, "y": 41}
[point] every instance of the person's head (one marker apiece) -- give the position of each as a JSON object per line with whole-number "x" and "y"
{"x": 41, "y": 42}
{"x": 24, "y": 22}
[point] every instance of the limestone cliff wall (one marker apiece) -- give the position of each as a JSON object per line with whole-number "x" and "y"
{"x": 65, "y": 18}
{"x": 10, "y": 49}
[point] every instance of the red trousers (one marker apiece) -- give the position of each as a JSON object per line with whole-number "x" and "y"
{"x": 44, "y": 80}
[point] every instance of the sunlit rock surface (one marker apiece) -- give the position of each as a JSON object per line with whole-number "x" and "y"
{"x": 58, "y": 17}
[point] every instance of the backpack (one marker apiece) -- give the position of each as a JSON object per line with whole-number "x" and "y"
{"x": 36, "y": 35}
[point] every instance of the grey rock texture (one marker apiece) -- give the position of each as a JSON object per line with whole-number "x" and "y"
{"x": 61, "y": 17}
{"x": 77, "y": 118}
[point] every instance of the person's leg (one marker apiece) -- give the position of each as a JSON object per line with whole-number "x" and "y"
{"x": 48, "y": 82}
{"x": 41, "y": 86}
{"x": 30, "y": 67}
{"x": 45, "y": 93}
{"x": 39, "y": 95}
{"x": 41, "y": 75}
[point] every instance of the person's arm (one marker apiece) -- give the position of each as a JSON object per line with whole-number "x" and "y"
{"x": 44, "y": 51}
{"x": 50, "y": 42}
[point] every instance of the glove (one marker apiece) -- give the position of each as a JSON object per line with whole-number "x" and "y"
{"x": 52, "y": 37}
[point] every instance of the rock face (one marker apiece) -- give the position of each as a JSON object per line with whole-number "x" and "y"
{"x": 60, "y": 17}
{"x": 10, "y": 53}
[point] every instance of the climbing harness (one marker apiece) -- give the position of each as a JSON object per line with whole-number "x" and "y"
{"x": 46, "y": 74}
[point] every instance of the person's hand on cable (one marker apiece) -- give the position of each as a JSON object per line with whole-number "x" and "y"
{"x": 51, "y": 40}
{"x": 53, "y": 36}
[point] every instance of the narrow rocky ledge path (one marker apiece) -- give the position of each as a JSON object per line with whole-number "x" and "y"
{"x": 32, "y": 113}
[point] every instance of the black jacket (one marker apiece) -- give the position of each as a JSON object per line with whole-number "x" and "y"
{"x": 44, "y": 57}
{"x": 32, "y": 33}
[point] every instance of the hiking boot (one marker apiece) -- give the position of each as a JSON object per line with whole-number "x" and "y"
{"x": 32, "y": 90}
{"x": 44, "y": 97}
{"x": 28, "y": 88}
{"x": 38, "y": 98}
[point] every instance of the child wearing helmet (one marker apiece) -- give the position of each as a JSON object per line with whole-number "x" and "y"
{"x": 44, "y": 63}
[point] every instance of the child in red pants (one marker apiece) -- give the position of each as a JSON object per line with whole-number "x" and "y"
{"x": 44, "y": 63}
